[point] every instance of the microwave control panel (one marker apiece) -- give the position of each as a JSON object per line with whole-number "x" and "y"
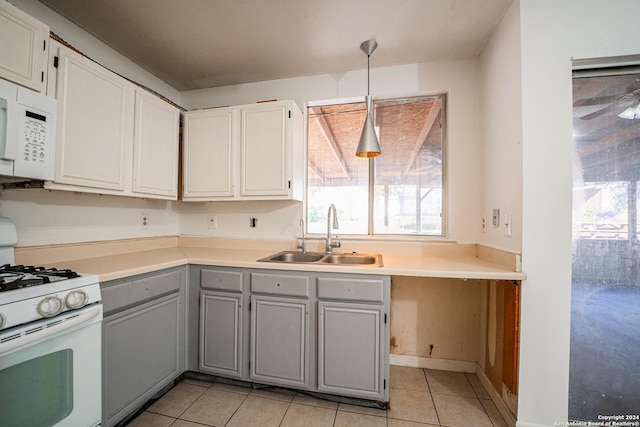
{"x": 35, "y": 151}
{"x": 35, "y": 135}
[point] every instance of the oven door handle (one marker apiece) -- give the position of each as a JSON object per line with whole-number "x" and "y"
{"x": 56, "y": 326}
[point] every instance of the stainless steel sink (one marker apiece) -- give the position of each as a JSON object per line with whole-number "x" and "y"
{"x": 295, "y": 257}
{"x": 289, "y": 256}
{"x": 353, "y": 258}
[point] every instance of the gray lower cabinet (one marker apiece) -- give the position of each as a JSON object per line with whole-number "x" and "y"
{"x": 280, "y": 341}
{"x": 321, "y": 332}
{"x": 221, "y": 343}
{"x": 221, "y": 333}
{"x": 143, "y": 340}
{"x": 352, "y": 326}
{"x": 349, "y": 343}
{"x": 280, "y": 328}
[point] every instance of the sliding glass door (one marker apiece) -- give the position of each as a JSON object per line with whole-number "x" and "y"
{"x": 605, "y": 313}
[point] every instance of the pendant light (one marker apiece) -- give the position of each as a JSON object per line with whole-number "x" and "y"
{"x": 368, "y": 145}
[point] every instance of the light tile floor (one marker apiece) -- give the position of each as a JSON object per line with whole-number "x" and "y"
{"x": 418, "y": 398}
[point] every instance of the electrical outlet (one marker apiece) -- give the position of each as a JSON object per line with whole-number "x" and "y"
{"x": 212, "y": 221}
{"x": 253, "y": 222}
{"x": 495, "y": 218}
{"x": 144, "y": 221}
{"x": 484, "y": 225}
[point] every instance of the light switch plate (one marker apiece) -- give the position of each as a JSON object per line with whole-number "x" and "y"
{"x": 507, "y": 225}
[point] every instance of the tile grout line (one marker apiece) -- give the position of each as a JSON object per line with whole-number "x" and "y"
{"x": 479, "y": 400}
{"x": 192, "y": 403}
{"x": 181, "y": 413}
{"x": 285, "y": 412}
{"x": 433, "y": 402}
{"x": 236, "y": 410}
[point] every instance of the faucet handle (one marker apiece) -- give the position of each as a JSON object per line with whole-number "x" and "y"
{"x": 302, "y": 246}
{"x": 336, "y": 244}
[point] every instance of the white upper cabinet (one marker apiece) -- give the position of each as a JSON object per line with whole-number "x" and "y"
{"x": 23, "y": 59}
{"x": 247, "y": 152}
{"x": 113, "y": 137}
{"x": 95, "y": 124}
{"x": 265, "y": 170}
{"x": 209, "y": 153}
{"x": 155, "y": 146}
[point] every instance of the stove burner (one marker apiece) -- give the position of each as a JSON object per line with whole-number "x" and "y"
{"x": 20, "y": 276}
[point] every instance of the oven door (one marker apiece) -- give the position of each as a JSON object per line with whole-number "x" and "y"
{"x": 50, "y": 371}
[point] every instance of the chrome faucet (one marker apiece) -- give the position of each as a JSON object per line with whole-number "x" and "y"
{"x": 303, "y": 246}
{"x": 331, "y": 244}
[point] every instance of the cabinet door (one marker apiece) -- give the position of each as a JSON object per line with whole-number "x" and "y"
{"x": 280, "y": 341}
{"x": 95, "y": 124}
{"x": 221, "y": 333}
{"x": 23, "y": 47}
{"x": 155, "y": 146}
{"x": 350, "y": 349}
{"x": 141, "y": 355}
{"x": 264, "y": 148}
{"x": 209, "y": 154}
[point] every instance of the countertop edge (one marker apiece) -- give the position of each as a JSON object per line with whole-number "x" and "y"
{"x": 120, "y": 266}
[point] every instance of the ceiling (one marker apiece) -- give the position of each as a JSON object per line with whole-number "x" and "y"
{"x": 194, "y": 44}
{"x": 607, "y": 146}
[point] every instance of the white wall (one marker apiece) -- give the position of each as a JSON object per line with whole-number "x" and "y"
{"x": 501, "y": 97}
{"x": 276, "y": 220}
{"x": 552, "y": 34}
{"x": 95, "y": 49}
{"x": 459, "y": 78}
{"x": 45, "y": 217}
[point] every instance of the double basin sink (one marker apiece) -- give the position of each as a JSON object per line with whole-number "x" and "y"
{"x": 294, "y": 257}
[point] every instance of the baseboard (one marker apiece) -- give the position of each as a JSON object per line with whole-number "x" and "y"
{"x": 497, "y": 399}
{"x": 429, "y": 363}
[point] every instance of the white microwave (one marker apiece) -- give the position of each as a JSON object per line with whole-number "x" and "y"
{"x": 27, "y": 134}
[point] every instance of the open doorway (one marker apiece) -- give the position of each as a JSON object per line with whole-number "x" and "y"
{"x": 604, "y": 370}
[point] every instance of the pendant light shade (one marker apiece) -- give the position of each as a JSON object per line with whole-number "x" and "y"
{"x": 368, "y": 145}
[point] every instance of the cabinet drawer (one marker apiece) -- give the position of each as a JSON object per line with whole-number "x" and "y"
{"x": 139, "y": 290}
{"x": 280, "y": 284}
{"x": 220, "y": 279}
{"x": 350, "y": 289}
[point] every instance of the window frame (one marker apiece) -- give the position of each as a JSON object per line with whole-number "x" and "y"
{"x": 370, "y": 236}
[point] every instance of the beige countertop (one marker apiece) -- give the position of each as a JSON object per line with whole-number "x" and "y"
{"x": 115, "y": 260}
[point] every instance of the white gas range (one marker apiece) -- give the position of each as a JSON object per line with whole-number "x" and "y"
{"x": 50, "y": 342}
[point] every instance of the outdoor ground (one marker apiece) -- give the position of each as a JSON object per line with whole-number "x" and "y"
{"x": 604, "y": 377}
